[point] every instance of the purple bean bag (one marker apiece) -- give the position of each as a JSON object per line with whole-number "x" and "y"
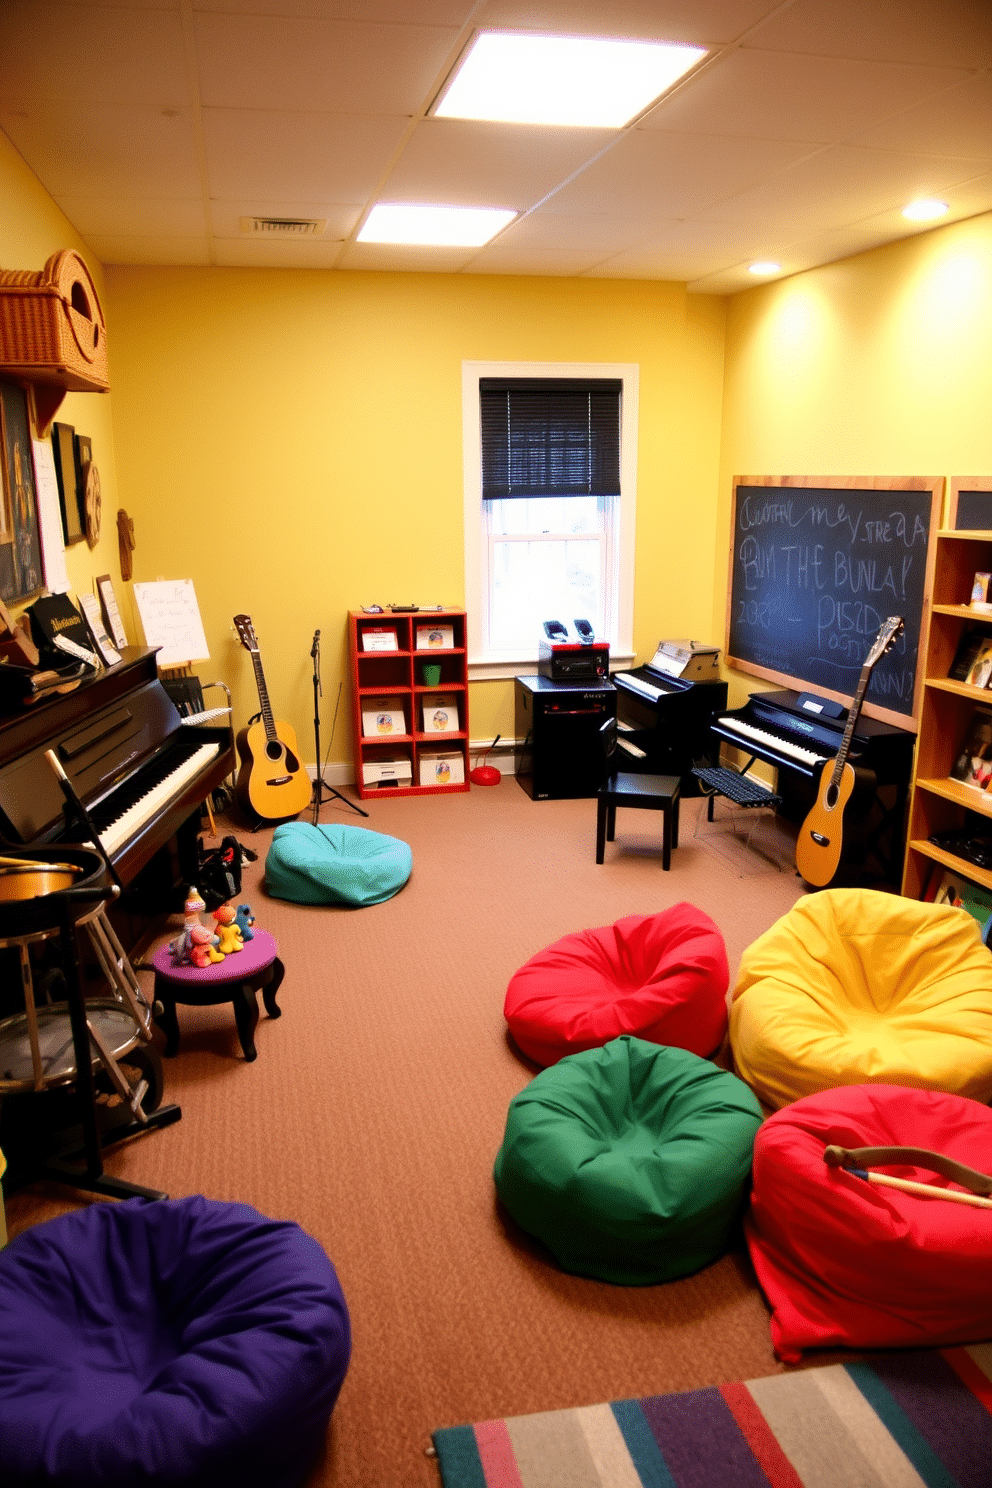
{"x": 181, "y": 1342}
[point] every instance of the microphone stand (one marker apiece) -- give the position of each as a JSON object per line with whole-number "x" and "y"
{"x": 320, "y": 785}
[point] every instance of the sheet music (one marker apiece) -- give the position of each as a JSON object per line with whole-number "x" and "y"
{"x": 170, "y": 619}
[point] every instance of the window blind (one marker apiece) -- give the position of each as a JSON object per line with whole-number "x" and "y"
{"x": 550, "y": 437}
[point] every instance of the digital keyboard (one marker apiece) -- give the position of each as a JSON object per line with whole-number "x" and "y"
{"x": 777, "y": 743}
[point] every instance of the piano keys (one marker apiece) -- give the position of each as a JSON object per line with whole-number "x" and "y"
{"x": 141, "y": 776}
{"x": 663, "y": 723}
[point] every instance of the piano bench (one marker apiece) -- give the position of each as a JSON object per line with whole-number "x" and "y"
{"x": 237, "y": 979}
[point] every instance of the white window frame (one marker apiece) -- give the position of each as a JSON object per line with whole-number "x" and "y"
{"x": 477, "y": 562}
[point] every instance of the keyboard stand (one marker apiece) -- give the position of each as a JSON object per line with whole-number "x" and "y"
{"x": 745, "y": 794}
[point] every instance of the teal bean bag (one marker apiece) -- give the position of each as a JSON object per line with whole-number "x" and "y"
{"x": 629, "y": 1162}
{"x": 336, "y": 864}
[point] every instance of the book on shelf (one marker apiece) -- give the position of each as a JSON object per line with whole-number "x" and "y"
{"x": 973, "y": 765}
{"x": 440, "y": 714}
{"x": 970, "y": 646}
{"x": 435, "y": 637}
{"x": 379, "y": 638}
{"x": 980, "y": 672}
{"x": 949, "y": 887}
{"x": 382, "y": 716}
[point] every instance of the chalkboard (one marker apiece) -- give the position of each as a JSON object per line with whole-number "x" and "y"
{"x": 971, "y": 504}
{"x": 816, "y": 565}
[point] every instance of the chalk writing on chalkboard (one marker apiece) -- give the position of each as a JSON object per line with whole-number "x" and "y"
{"x": 816, "y": 567}
{"x": 170, "y": 619}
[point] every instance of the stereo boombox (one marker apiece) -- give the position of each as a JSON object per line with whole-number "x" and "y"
{"x": 575, "y": 656}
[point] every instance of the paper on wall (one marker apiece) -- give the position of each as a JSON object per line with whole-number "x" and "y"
{"x": 170, "y": 619}
{"x": 46, "y": 488}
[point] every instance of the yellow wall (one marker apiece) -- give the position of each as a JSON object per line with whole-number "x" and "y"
{"x": 877, "y": 365}
{"x": 31, "y": 229}
{"x": 292, "y": 441}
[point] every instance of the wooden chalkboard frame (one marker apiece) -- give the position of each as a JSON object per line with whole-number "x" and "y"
{"x": 963, "y": 484}
{"x": 930, "y": 485}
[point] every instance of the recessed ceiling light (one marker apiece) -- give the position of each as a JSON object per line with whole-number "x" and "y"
{"x": 764, "y": 266}
{"x": 927, "y": 209}
{"x": 445, "y": 227}
{"x": 583, "y": 81}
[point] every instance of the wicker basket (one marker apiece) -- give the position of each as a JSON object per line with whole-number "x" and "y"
{"x": 52, "y": 325}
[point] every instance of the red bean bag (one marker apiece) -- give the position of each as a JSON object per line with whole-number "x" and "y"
{"x": 661, "y": 977}
{"x": 847, "y": 1263}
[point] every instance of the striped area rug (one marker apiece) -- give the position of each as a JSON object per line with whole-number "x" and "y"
{"x": 904, "y": 1420}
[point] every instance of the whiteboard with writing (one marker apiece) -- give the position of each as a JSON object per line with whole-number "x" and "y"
{"x": 170, "y": 619}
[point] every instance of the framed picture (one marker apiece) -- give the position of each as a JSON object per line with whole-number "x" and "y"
{"x": 111, "y": 614}
{"x": 20, "y": 544}
{"x": 73, "y": 514}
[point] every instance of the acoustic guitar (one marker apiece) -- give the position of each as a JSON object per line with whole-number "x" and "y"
{"x": 837, "y": 821}
{"x": 271, "y": 783}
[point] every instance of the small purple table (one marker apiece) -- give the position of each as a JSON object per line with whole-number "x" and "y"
{"x": 237, "y": 979}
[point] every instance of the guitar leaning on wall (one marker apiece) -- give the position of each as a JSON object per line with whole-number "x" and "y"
{"x": 845, "y": 792}
{"x": 272, "y": 783}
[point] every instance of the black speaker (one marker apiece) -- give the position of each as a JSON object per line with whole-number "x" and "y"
{"x": 557, "y": 724}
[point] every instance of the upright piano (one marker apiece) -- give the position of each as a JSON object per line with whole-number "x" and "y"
{"x": 141, "y": 775}
{"x": 663, "y": 722}
{"x": 778, "y": 727}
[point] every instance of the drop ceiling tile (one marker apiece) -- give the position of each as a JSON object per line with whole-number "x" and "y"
{"x": 276, "y": 253}
{"x": 130, "y": 216}
{"x": 293, "y": 156}
{"x": 225, "y": 216}
{"x": 959, "y": 122}
{"x": 505, "y": 257}
{"x": 89, "y": 150}
{"x": 954, "y": 33}
{"x": 657, "y": 175}
{"x": 161, "y": 250}
{"x": 392, "y": 258}
{"x": 91, "y": 55}
{"x": 836, "y": 187}
{"x": 271, "y": 62}
{"x": 700, "y": 22}
{"x": 474, "y": 164}
{"x": 381, "y": 12}
{"x": 770, "y": 95}
{"x": 582, "y": 233}
{"x": 660, "y": 264}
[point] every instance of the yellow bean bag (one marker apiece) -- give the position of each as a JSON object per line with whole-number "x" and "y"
{"x": 855, "y": 987}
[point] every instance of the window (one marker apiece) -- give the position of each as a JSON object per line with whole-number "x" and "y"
{"x": 550, "y": 455}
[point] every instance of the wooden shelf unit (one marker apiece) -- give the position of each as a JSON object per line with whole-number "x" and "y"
{"x": 936, "y": 802}
{"x": 397, "y": 675}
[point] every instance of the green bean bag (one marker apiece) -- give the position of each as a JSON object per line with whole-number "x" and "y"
{"x": 336, "y": 864}
{"x": 629, "y": 1162}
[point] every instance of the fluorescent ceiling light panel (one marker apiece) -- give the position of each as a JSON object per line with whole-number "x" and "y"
{"x": 927, "y": 209}
{"x": 436, "y": 227}
{"x": 581, "y": 81}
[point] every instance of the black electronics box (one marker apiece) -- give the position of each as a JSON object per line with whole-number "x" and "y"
{"x": 559, "y": 748}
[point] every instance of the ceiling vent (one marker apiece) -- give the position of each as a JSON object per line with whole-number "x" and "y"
{"x": 283, "y": 227}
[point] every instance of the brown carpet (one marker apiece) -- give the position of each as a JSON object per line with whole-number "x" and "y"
{"x": 376, "y": 1105}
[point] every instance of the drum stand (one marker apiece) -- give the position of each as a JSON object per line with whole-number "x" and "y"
{"x": 91, "y": 1043}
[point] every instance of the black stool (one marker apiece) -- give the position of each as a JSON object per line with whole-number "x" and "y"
{"x": 650, "y": 792}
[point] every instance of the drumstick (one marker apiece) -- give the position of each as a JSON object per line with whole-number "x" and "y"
{"x": 927, "y": 1190}
{"x": 69, "y": 792}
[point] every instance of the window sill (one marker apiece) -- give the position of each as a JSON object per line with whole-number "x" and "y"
{"x": 481, "y": 670}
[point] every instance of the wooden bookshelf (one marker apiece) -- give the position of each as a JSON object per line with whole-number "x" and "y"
{"x": 395, "y": 676}
{"x": 938, "y": 803}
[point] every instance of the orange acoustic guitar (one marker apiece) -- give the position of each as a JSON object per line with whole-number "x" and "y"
{"x": 838, "y": 818}
{"x": 271, "y": 783}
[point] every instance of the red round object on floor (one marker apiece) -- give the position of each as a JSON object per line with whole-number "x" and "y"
{"x": 661, "y": 977}
{"x": 850, "y": 1264}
